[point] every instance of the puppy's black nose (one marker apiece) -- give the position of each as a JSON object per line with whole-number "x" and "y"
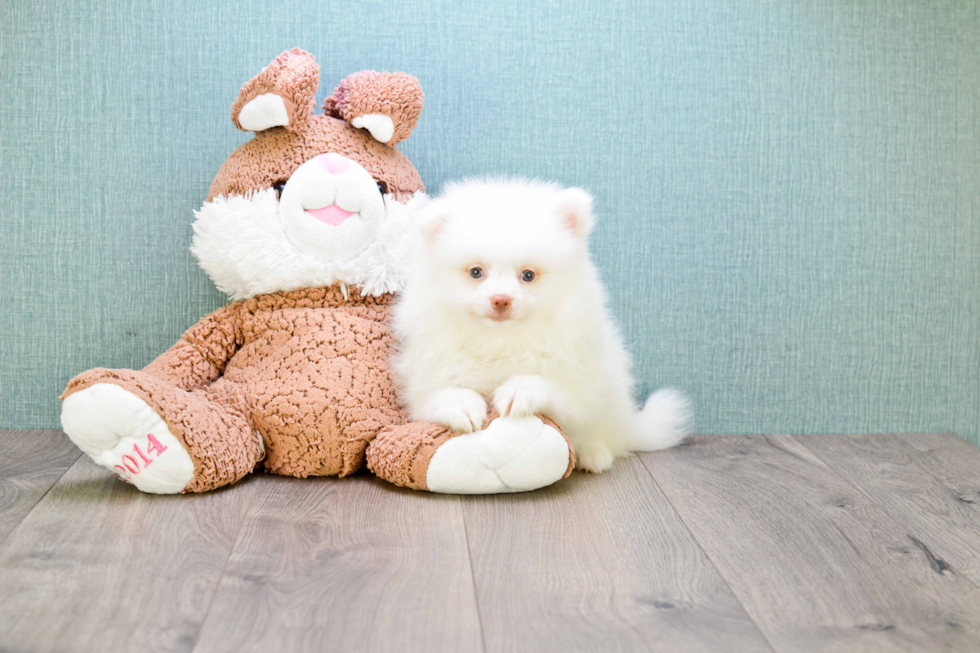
{"x": 501, "y": 303}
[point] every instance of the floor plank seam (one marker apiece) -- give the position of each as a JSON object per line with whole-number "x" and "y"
{"x": 930, "y": 558}
{"x": 694, "y": 537}
{"x": 39, "y": 500}
{"x": 469, "y": 557}
{"x": 217, "y": 585}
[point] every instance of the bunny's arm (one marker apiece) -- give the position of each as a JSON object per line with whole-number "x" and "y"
{"x": 200, "y": 356}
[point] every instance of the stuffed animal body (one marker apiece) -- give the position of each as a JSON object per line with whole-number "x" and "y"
{"x": 307, "y": 226}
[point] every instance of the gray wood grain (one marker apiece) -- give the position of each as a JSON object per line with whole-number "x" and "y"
{"x": 816, "y": 564}
{"x": 30, "y": 463}
{"x": 598, "y": 563}
{"x": 98, "y": 565}
{"x": 932, "y": 489}
{"x": 846, "y": 543}
{"x": 350, "y": 564}
{"x": 952, "y": 459}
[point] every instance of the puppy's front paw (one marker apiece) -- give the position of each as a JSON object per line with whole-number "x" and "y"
{"x": 458, "y": 408}
{"x": 520, "y": 396}
{"x": 595, "y": 458}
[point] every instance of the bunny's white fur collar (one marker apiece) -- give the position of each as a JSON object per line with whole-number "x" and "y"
{"x": 240, "y": 244}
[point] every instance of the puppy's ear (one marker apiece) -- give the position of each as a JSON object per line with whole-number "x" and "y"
{"x": 282, "y": 95}
{"x": 431, "y": 220}
{"x": 386, "y": 104}
{"x": 575, "y": 211}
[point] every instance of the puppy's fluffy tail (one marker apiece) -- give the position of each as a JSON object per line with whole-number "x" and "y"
{"x": 663, "y": 422}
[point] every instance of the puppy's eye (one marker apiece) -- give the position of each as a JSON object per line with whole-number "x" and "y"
{"x": 278, "y": 186}
{"x": 382, "y": 188}
{"x": 527, "y": 276}
{"x": 476, "y": 273}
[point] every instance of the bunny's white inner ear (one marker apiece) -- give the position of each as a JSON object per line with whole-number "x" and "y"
{"x": 262, "y": 112}
{"x": 380, "y": 126}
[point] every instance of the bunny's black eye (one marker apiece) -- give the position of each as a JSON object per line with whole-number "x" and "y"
{"x": 527, "y": 276}
{"x": 278, "y": 186}
{"x": 476, "y": 273}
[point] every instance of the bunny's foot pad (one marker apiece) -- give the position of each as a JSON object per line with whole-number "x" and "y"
{"x": 120, "y": 432}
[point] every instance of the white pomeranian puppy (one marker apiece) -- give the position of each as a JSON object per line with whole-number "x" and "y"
{"x": 503, "y": 304}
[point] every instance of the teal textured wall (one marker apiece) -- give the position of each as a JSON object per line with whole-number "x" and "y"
{"x": 789, "y": 192}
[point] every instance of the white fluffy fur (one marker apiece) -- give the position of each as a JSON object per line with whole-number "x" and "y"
{"x": 240, "y": 243}
{"x": 559, "y": 353}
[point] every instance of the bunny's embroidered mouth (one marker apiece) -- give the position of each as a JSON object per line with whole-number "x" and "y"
{"x": 332, "y": 214}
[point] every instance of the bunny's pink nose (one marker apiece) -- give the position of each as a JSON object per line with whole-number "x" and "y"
{"x": 333, "y": 162}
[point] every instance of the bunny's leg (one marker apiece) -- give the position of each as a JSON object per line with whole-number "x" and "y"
{"x": 160, "y": 438}
{"x": 507, "y": 455}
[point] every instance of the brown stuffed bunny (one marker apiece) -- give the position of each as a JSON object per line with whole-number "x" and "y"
{"x": 308, "y": 227}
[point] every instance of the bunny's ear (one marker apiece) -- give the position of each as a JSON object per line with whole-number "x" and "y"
{"x": 386, "y": 104}
{"x": 282, "y": 95}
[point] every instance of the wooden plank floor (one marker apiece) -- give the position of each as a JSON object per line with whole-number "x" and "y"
{"x": 729, "y": 543}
